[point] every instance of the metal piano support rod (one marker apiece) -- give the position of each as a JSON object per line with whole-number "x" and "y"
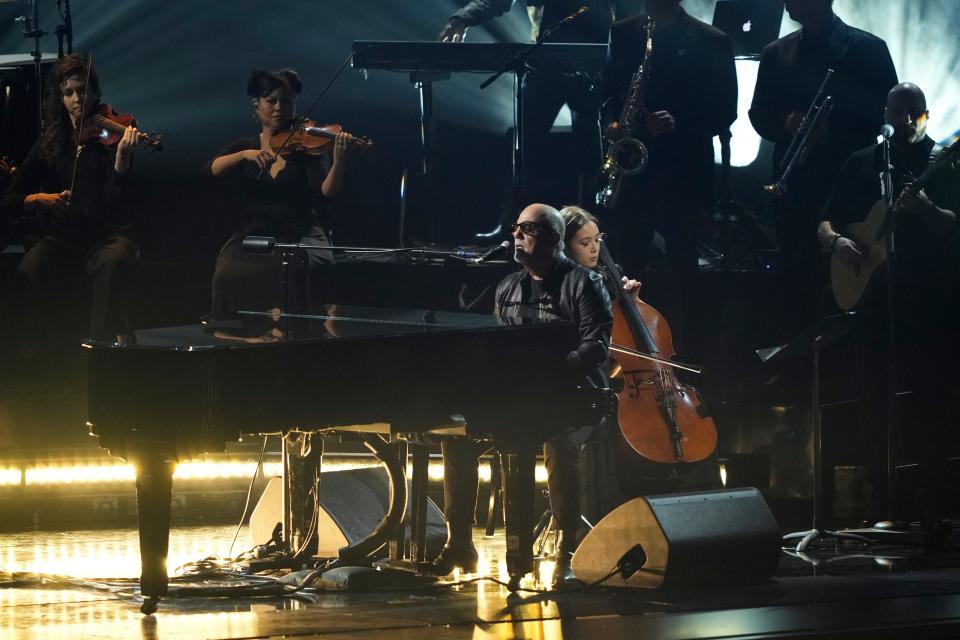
{"x": 387, "y": 454}
{"x": 302, "y": 456}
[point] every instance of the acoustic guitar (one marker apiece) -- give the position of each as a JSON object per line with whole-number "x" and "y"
{"x": 850, "y": 282}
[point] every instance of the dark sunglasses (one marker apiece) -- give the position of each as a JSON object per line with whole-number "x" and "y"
{"x": 528, "y": 228}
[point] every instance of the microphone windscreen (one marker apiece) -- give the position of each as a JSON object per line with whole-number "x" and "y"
{"x": 259, "y": 244}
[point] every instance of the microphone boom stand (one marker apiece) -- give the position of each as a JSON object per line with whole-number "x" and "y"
{"x": 893, "y": 406}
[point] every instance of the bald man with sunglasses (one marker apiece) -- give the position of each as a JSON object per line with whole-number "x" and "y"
{"x": 550, "y": 288}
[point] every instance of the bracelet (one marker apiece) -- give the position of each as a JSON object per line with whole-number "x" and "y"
{"x": 833, "y": 243}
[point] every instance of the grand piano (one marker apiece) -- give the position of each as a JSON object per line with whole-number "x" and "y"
{"x": 387, "y": 375}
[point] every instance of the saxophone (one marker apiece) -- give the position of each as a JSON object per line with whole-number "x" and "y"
{"x": 628, "y": 156}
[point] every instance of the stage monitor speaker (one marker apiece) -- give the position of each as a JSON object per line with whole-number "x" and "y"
{"x": 352, "y": 503}
{"x": 707, "y": 538}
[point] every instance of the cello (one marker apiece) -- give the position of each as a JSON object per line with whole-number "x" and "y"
{"x": 664, "y": 427}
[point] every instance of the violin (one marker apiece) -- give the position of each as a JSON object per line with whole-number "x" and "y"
{"x": 105, "y": 126}
{"x": 665, "y": 429}
{"x": 309, "y": 139}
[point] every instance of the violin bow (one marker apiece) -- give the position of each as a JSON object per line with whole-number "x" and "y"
{"x": 83, "y": 111}
{"x": 306, "y": 113}
{"x": 692, "y": 368}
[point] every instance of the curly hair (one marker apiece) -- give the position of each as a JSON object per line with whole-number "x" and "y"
{"x": 58, "y": 128}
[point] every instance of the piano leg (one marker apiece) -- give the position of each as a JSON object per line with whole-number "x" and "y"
{"x": 154, "y": 491}
{"x": 519, "y": 490}
{"x": 495, "y": 498}
{"x": 418, "y": 503}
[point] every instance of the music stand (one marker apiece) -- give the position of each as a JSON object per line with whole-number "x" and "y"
{"x": 809, "y": 344}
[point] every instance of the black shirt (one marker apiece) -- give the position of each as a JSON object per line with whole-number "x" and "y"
{"x": 790, "y": 73}
{"x": 921, "y": 269}
{"x": 693, "y": 76}
{"x": 95, "y": 211}
{"x": 292, "y": 199}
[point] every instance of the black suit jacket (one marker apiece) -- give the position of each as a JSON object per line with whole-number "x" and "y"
{"x": 793, "y": 68}
{"x": 693, "y": 77}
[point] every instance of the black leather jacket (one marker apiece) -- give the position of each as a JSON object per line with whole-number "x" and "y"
{"x": 570, "y": 293}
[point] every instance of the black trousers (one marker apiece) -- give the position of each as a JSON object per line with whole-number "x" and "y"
{"x": 548, "y": 178}
{"x": 668, "y": 204}
{"x": 52, "y": 264}
{"x": 562, "y": 457}
{"x": 927, "y": 345}
{"x": 254, "y": 281}
{"x": 801, "y": 270}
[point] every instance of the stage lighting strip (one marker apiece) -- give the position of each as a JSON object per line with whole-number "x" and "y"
{"x": 10, "y": 477}
{"x": 60, "y": 474}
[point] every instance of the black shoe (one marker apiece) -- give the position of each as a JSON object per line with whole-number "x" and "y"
{"x": 450, "y": 558}
{"x": 563, "y": 577}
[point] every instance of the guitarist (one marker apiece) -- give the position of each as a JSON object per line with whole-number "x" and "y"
{"x": 924, "y": 298}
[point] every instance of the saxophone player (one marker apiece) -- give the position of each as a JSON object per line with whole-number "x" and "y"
{"x": 690, "y": 96}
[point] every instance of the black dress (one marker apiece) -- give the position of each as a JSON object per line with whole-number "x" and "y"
{"x": 93, "y": 237}
{"x": 288, "y": 207}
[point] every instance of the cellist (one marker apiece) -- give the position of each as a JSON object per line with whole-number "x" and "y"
{"x": 582, "y": 240}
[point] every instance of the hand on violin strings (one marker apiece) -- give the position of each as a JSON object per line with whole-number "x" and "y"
{"x": 453, "y": 31}
{"x": 342, "y": 146}
{"x": 54, "y": 204}
{"x": 631, "y": 287}
{"x": 263, "y": 158}
{"x": 125, "y": 148}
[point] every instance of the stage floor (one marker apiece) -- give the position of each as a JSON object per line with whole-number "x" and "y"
{"x": 851, "y": 592}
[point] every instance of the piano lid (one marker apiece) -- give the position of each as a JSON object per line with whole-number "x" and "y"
{"x": 254, "y": 328}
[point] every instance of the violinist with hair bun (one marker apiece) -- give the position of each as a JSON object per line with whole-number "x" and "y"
{"x": 285, "y": 196}
{"x": 76, "y": 197}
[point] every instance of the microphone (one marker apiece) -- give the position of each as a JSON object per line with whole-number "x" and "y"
{"x": 259, "y": 244}
{"x": 886, "y": 131}
{"x": 492, "y": 252}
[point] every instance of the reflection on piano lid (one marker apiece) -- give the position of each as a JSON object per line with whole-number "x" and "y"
{"x": 335, "y": 321}
{"x": 484, "y": 57}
